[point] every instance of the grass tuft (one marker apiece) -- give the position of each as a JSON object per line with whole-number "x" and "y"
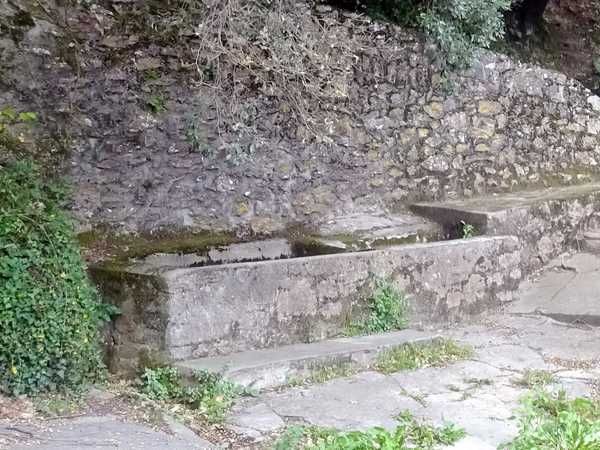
{"x": 416, "y": 356}
{"x": 319, "y": 375}
{"x": 209, "y": 394}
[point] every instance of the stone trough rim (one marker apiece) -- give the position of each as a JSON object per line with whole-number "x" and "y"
{"x": 346, "y": 255}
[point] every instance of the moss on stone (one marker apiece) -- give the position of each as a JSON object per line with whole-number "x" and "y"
{"x": 111, "y": 246}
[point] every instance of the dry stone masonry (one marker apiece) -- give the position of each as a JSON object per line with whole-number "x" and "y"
{"x": 403, "y": 132}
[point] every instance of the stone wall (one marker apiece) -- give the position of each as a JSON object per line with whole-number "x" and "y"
{"x": 403, "y": 133}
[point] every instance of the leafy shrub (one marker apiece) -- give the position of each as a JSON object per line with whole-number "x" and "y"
{"x": 210, "y": 394}
{"x": 49, "y": 312}
{"x": 388, "y": 310}
{"x": 459, "y": 27}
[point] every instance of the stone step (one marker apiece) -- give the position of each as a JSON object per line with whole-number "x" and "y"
{"x": 546, "y": 221}
{"x": 282, "y": 366}
{"x": 192, "y": 312}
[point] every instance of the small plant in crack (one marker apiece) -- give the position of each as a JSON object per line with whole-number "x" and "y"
{"x": 319, "y": 375}
{"x": 535, "y": 378}
{"x": 408, "y": 434}
{"x": 156, "y": 103}
{"x": 468, "y": 230}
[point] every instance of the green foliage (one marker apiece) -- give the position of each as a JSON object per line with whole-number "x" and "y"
{"x": 415, "y": 356}
{"x": 402, "y": 12}
{"x": 210, "y": 394}
{"x": 157, "y": 103}
{"x": 459, "y": 27}
{"x": 408, "y": 434}
{"x": 162, "y": 383}
{"x": 553, "y": 422}
{"x": 388, "y": 310}
{"x": 467, "y": 230}
{"x": 9, "y": 143}
{"x": 8, "y": 116}
{"x": 49, "y": 312}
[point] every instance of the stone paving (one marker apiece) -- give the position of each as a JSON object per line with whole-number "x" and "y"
{"x": 481, "y": 394}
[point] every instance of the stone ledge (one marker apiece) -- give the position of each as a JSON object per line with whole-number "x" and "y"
{"x": 272, "y": 368}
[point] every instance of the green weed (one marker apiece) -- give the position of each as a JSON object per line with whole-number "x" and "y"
{"x": 468, "y": 231}
{"x": 553, "y": 422}
{"x": 157, "y": 103}
{"x": 415, "y": 356}
{"x": 409, "y": 434}
{"x": 387, "y": 310}
{"x": 208, "y": 394}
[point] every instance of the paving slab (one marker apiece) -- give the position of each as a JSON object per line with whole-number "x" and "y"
{"x": 568, "y": 291}
{"x": 359, "y": 402}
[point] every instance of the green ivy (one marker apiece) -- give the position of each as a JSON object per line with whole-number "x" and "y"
{"x": 49, "y": 312}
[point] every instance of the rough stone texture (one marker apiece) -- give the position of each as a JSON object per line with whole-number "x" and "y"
{"x": 138, "y": 332}
{"x": 196, "y": 312}
{"x": 546, "y": 221}
{"x": 397, "y": 136}
{"x": 273, "y": 368}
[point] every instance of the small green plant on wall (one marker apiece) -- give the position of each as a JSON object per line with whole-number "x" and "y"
{"x": 8, "y": 117}
{"x": 387, "y": 310}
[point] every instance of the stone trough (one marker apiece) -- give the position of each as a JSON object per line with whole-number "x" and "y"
{"x": 189, "y": 306}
